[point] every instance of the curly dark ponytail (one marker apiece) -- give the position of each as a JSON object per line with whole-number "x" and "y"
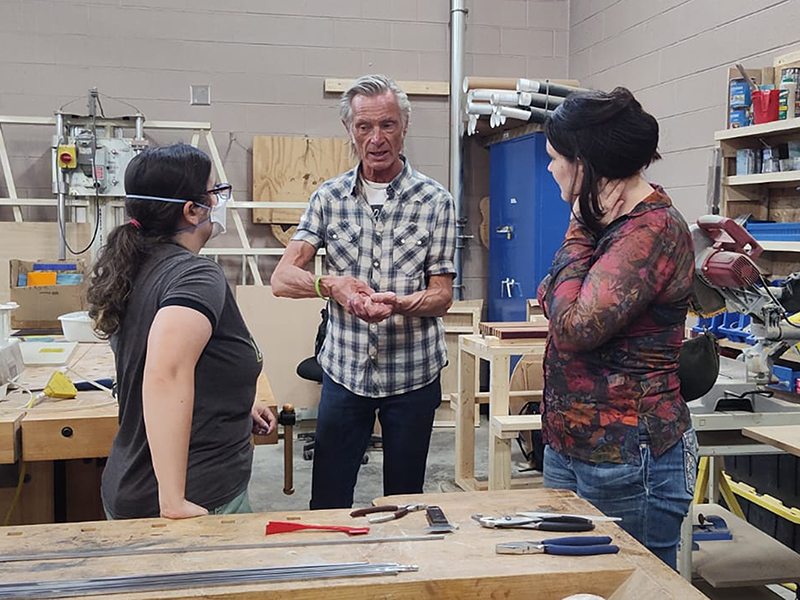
{"x": 179, "y": 171}
{"x": 610, "y": 134}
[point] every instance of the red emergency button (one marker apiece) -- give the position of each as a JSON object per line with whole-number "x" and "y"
{"x": 66, "y": 158}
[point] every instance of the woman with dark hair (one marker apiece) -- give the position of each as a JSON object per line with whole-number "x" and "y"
{"x": 186, "y": 363}
{"x": 616, "y": 428}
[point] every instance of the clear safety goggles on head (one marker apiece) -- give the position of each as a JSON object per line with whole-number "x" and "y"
{"x": 222, "y": 191}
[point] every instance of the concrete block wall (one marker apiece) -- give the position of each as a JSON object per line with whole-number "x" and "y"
{"x": 674, "y": 55}
{"x": 266, "y": 61}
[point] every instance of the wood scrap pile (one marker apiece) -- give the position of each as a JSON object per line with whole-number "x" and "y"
{"x": 515, "y": 330}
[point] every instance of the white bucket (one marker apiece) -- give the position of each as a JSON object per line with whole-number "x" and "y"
{"x": 78, "y": 327}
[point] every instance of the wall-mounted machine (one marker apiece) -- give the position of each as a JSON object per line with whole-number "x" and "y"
{"x": 90, "y": 155}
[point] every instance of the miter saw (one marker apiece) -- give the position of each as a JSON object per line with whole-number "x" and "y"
{"x": 727, "y": 278}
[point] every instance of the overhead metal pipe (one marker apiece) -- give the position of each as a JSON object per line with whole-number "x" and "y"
{"x": 458, "y": 26}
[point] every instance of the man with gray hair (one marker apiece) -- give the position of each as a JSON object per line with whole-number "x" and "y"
{"x": 389, "y": 237}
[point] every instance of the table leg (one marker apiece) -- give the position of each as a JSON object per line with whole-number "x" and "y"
{"x": 714, "y": 477}
{"x": 499, "y": 449}
{"x": 685, "y": 547}
{"x": 36, "y": 503}
{"x": 465, "y": 423}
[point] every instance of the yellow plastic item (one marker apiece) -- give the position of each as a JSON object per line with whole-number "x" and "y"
{"x": 38, "y": 278}
{"x": 60, "y": 387}
{"x": 67, "y": 157}
{"x": 795, "y": 318}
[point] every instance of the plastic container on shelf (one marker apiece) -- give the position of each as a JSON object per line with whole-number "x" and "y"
{"x": 736, "y": 327}
{"x": 786, "y": 101}
{"x": 78, "y": 327}
{"x": 709, "y": 324}
{"x": 774, "y": 232}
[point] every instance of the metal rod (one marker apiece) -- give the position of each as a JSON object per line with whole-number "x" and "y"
{"x": 58, "y": 176}
{"x": 136, "y": 551}
{"x": 137, "y": 583}
{"x": 139, "y": 128}
{"x": 458, "y": 25}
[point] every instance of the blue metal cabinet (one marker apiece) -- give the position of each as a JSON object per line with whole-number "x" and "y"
{"x": 527, "y": 220}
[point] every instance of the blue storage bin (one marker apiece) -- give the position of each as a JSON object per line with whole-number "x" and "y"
{"x": 736, "y": 327}
{"x": 774, "y": 232}
{"x": 786, "y": 377}
{"x": 709, "y": 324}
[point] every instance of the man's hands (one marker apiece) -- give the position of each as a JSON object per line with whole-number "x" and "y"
{"x": 358, "y": 298}
{"x": 368, "y": 309}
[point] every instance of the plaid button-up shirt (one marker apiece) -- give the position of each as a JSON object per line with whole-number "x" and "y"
{"x": 412, "y": 238}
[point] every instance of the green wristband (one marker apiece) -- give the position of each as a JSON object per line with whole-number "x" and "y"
{"x": 316, "y": 287}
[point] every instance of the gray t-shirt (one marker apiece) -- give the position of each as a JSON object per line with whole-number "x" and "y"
{"x": 220, "y": 450}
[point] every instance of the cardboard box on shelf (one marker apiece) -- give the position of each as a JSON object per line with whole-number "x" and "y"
{"x": 40, "y": 306}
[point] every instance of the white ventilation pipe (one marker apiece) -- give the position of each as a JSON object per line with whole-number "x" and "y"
{"x": 479, "y": 108}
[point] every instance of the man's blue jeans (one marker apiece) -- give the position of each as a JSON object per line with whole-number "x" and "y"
{"x": 652, "y": 498}
{"x": 344, "y": 425}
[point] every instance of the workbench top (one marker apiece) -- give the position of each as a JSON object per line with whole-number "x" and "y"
{"x": 784, "y": 437}
{"x": 463, "y": 565}
{"x": 83, "y": 427}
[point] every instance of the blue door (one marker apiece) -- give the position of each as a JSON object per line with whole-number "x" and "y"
{"x": 527, "y": 220}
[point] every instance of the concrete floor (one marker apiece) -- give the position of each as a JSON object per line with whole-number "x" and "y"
{"x": 266, "y": 485}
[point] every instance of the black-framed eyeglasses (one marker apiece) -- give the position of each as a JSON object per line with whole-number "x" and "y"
{"x": 222, "y": 191}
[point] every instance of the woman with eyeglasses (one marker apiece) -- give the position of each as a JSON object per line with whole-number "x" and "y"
{"x": 186, "y": 363}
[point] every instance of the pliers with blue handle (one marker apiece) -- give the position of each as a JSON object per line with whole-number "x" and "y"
{"x": 565, "y": 546}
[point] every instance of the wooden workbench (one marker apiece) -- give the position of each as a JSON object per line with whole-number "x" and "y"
{"x": 74, "y": 431}
{"x": 785, "y": 437}
{"x": 463, "y": 565}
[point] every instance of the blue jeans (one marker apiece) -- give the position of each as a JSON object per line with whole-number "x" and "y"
{"x": 344, "y": 426}
{"x": 652, "y": 498}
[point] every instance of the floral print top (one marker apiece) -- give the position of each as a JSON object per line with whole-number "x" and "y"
{"x": 617, "y": 304}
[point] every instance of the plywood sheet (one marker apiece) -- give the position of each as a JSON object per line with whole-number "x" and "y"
{"x": 785, "y": 437}
{"x": 285, "y": 330}
{"x": 90, "y": 361}
{"x": 534, "y": 328}
{"x": 412, "y": 88}
{"x": 289, "y": 169}
{"x": 34, "y": 241}
{"x": 751, "y": 558}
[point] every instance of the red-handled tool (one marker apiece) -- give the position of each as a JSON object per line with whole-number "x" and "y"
{"x": 398, "y": 512}
{"x": 285, "y": 527}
